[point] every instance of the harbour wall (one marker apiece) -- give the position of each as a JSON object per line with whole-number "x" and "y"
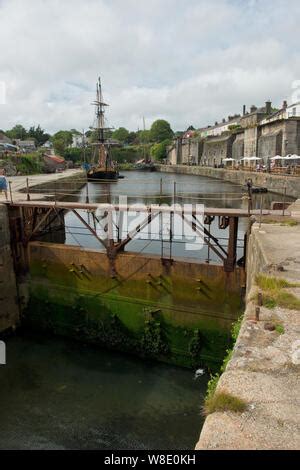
{"x": 264, "y": 367}
{"x": 274, "y": 183}
{"x": 9, "y": 307}
{"x": 59, "y": 184}
{"x": 179, "y": 312}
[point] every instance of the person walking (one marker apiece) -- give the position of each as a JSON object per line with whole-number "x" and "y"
{"x": 3, "y": 182}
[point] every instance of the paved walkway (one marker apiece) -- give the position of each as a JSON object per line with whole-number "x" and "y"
{"x": 19, "y": 183}
{"x": 265, "y": 368}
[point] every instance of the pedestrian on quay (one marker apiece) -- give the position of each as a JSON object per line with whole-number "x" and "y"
{"x": 3, "y": 182}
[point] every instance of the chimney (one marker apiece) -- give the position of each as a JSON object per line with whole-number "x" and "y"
{"x": 268, "y": 107}
{"x": 284, "y": 104}
{"x": 223, "y": 120}
{"x": 253, "y": 108}
{"x": 216, "y": 123}
{"x": 244, "y": 110}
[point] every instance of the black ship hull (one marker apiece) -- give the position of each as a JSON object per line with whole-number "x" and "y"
{"x": 102, "y": 175}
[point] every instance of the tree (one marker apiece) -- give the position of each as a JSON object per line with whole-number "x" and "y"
{"x": 17, "y": 132}
{"x": 159, "y": 150}
{"x": 38, "y": 134}
{"x": 120, "y": 134}
{"x": 144, "y": 137}
{"x": 61, "y": 141}
{"x": 132, "y": 137}
{"x": 160, "y": 131}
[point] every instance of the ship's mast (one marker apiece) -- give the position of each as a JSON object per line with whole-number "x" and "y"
{"x": 100, "y": 107}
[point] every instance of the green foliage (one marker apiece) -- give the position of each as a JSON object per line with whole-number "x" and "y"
{"x": 121, "y": 134}
{"x": 116, "y": 336}
{"x": 38, "y": 134}
{"x": 17, "y": 132}
{"x": 234, "y": 127}
{"x": 132, "y": 138}
{"x": 268, "y": 302}
{"x": 76, "y": 154}
{"x": 61, "y": 140}
{"x": 29, "y": 164}
{"x": 288, "y": 300}
{"x": 144, "y": 137}
{"x": 126, "y": 166}
{"x": 222, "y": 401}
{"x": 273, "y": 283}
{"x": 159, "y": 151}
{"x": 152, "y": 343}
{"x": 125, "y": 154}
{"x": 236, "y": 326}
{"x": 279, "y": 328}
{"x": 285, "y": 223}
{"x": 289, "y": 223}
{"x": 274, "y": 293}
{"x": 212, "y": 385}
{"x": 210, "y": 401}
{"x": 195, "y": 347}
{"x": 160, "y": 131}
{"x": 226, "y": 359}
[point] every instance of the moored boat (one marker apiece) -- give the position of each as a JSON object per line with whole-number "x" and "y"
{"x": 102, "y": 168}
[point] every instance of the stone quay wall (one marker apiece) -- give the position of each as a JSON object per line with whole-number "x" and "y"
{"x": 9, "y": 309}
{"x": 264, "y": 367}
{"x": 274, "y": 183}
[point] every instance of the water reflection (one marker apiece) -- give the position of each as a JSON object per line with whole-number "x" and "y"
{"x": 156, "y": 188}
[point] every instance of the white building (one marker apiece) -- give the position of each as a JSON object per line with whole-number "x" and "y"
{"x": 77, "y": 141}
{"x": 219, "y": 128}
{"x": 285, "y": 112}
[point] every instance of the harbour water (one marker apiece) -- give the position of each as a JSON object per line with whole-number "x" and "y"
{"x": 59, "y": 394}
{"x": 156, "y": 188}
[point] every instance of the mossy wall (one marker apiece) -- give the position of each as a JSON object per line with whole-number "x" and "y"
{"x": 180, "y": 312}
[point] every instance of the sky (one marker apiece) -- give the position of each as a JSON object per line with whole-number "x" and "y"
{"x": 191, "y": 62}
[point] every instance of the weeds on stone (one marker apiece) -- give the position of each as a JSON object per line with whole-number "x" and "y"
{"x": 280, "y": 329}
{"x": 286, "y": 223}
{"x": 274, "y": 294}
{"x": 236, "y": 326}
{"x": 221, "y": 401}
{"x": 290, "y": 223}
{"x": 288, "y": 300}
{"x": 215, "y": 401}
{"x": 271, "y": 283}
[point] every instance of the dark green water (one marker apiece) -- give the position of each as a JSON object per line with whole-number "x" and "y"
{"x": 59, "y": 394}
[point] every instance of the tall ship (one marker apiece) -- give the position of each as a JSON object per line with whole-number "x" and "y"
{"x": 102, "y": 166}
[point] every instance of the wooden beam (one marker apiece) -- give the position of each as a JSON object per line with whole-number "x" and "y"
{"x": 37, "y": 226}
{"x": 155, "y": 208}
{"x": 230, "y": 261}
{"x": 89, "y": 228}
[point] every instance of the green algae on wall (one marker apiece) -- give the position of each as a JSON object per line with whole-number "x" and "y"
{"x": 146, "y": 310}
{"x": 152, "y": 337}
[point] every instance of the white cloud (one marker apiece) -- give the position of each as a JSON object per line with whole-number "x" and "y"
{"x": 190, "y": 62}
